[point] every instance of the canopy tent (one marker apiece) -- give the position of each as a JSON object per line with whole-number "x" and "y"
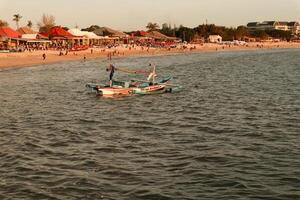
{"x": 9, "y": 33}
{"x": 76, "y": 32}
{"x": 92, "y": 35}
{"x": 25, "y": 30}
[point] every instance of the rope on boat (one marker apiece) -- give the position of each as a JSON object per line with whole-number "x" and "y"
{"x": 132, "y": 71}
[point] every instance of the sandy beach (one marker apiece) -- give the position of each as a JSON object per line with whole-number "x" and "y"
{"x": 23, "y": 59}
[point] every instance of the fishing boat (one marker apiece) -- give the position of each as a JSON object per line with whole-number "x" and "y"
{"x": 137, "y": 87}
{"x": 153, "y": 89}
{"x": 114, "y": 91}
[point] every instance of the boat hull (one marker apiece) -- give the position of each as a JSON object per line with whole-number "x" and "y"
{"x": 154, "y": 89}
{"x": 111, "y": 91}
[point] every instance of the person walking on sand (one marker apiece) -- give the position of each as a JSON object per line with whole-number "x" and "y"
{"x": 112, "y": 70}
{"x": 44, "y": 56}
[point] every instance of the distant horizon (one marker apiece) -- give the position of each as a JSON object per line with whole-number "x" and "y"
{"x": 130, "y": 15}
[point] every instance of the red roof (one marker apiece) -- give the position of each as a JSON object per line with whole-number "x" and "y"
{"x": 59, "y": 32}
{"x": 8, "y": 32}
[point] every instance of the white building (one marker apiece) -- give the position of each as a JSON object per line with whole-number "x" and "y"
{"x": 215, "y": 39}
{"x": 294, "y": 27}
{"x": 273, "y": 25}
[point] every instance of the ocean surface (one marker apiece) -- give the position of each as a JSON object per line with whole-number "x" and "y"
{"x": 232, "y": 133}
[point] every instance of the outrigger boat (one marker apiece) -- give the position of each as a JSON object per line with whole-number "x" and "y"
{"x": 135, "y": 87}
{"x": 114, "y": 91}
{"x": 128, "y": 88}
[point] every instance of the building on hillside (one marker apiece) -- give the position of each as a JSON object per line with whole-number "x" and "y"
{"x": 214, "y": 39}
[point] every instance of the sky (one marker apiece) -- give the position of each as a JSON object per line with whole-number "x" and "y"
{"x": 128, "y": 15}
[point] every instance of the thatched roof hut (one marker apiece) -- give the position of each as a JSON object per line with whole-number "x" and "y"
{"x": 26, "y": 30}
{"x": 105, "y": 31}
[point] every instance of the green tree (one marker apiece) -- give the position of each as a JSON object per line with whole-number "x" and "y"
{"x": 260, "y": 34}
{"x": 29, "y": 24}
{"x": 17, "y": 18}
{"x": 185, "y": 33}
{"x": 241, "y": 32}
{"x": 91, "y": 28}
{"x": 280, "y": 34}
{"x": 167, "y": 30}
{"x": 3, "y": 23}
{"x": 152, "y": 26}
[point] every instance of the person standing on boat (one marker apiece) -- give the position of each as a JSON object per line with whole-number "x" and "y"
{"x": 152, "y": 74}
{"x": 112, "y": 69}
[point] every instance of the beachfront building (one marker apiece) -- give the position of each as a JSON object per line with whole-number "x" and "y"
{"x": 294, "y": 27}
{"x": 81, "y": 38}
{"x": 273, "y": 25}
{"x": 63, "y": 39}
{"x": 32, "y": 40}
{"x": 95, "y": 40}
{"x": 26, "y": 30}
{"x": 89, "y": 38}
{"x": 112, "y": 36}
{"x": 36, "y": 41}
{"x": 140, "y": 37}
{"x": 214, "y": 39}
{"x": 9, "y": 38}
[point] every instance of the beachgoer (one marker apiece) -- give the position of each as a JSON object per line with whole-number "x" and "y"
{"x": 84, "y": 58}
{"x": 44, "y": 56}
{"x": 112, "y": 70}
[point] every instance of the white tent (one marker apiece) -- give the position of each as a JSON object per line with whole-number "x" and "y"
{"x": 76, "y": 32}
{"x": 92, "y": 35}
{"x": 29, "y": 36}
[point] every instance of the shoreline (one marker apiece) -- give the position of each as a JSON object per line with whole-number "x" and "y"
{"x": 28, "y": 59}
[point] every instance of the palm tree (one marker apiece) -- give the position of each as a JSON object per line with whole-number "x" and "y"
{"x": 152, "y": 26}
{"x": 46, "y": 23}
{"x": 17, "y": 18}
{"x": 3, "y": 23}
{"x": 29, "y": 24}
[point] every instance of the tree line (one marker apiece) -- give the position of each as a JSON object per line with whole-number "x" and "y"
{"x": 204, "y": 30}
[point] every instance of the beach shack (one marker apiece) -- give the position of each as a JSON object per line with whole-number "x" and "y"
{"x": 113, "y": 36}
{"x": 81, "y": 38}
{"x": 32, "y": 39}
{"x": 9, "y": 38}
{"x": 93, "y": 39}
{"x": 215, "y": 39}
{"x": 63, "y": 39}
{"x": 140, "y": 37}
{"x": 161, "y": 39}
